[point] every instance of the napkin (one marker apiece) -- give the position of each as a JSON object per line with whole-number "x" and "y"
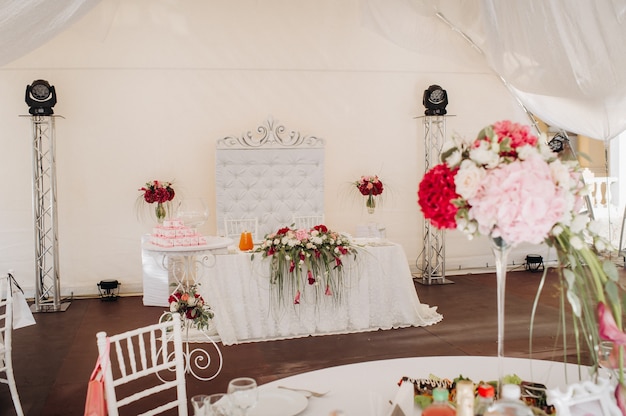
{"x": 403, "y": 403}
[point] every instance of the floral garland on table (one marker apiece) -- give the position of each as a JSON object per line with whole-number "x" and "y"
{"x": 191, "y": 306}
{"x": 159, "y": 192}
{"x": 510, "y": 186}
{"x": 370, "y": 186}
{"x": 300, "y": 257}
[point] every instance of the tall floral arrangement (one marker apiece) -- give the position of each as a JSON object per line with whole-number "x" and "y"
{"x": 371, "y": 187}
{"x": 159, "y": 192}
{"x": 508, "y": 185}
{"x": 301, "y": 257}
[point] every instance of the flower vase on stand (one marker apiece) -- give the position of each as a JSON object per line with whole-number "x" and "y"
{"x": 370, "y": 203}
{"x": 160, "y": 212}
{"x": 501, "y": 251}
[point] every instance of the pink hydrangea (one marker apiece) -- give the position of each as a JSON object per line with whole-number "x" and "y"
{"x": 518, "y": 201}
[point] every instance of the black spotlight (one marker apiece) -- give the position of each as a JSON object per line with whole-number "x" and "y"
{"x": 40, "y": 97}
{"x": 109, "y": 289}
{"x": 435, "y": 100}
{"x": 534, "y": 263}
{"x": 557, "y": 144}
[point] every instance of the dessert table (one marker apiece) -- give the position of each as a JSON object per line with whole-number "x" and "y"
{"x": 366, "y": 388}
{"x": 165, "y": 266}
{"x": 378, "y": 293}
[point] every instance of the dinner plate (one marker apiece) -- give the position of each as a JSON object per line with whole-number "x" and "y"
{"x": 278, "y": 402}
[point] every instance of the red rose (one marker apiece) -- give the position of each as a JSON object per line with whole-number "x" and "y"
{"x": 282, "y": 231}
{"x": 321, "y": 228}
{"x": 435, "y": 195}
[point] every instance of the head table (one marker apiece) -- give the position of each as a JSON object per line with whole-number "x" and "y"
{"x": 378, "y": 293}
{"x": 367, "y": 388}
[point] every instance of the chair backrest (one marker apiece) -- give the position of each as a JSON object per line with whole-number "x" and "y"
{"x": 146, "y": 369}
{"x": 307, "y": 221}
{"x": 6, "y": 323}
{"x": 235, "y": 226}
{"x": 6, "y": 335}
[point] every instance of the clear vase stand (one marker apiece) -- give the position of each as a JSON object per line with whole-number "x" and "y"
{"x": 501, "y": 251}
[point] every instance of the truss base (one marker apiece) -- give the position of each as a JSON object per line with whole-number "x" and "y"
{"x": 45, "y": 307}
{"x": 431, "y": 281}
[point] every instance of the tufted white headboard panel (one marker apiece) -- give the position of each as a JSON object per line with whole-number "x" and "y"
{"x": 272, "y": 175}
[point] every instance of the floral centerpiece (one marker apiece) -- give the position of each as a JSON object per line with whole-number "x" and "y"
{"x": 300, "y": 257}
{"x": 159, "y": 192}
{"x": 508, "y": 185}
{"x": 191, "y": 306}
{"x": 370, "y": 186}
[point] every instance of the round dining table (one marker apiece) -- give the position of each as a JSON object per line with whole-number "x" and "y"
{"x": 369, "y": 388}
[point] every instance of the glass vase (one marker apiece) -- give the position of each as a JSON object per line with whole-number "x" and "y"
{"x": 501, "y": 252}
{"x": 160, "y": 212}
{"x": 370, "y": 203}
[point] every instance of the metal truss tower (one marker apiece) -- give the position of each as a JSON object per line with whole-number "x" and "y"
{"x": 431, "y": 262}
{"x": 47, "y": 285}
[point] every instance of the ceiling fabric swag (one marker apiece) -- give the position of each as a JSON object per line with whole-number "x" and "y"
{"x": 26, "y": 25}
{"x": 569, "y": 73}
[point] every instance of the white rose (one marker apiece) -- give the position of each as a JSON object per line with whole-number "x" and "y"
{"x": 579, "y": 223}
{"x": 526, "y": 151}
{"x": 484, "y": 155}
{"x": 173, "y": 306}
{"x": 468, "y": 179}
{"x": 454, "y": 158}
{"x": 595, "y": 227}
{"x": 191, "y": 301}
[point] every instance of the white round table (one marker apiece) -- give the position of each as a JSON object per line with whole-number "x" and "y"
{"x": 366, "y": 389}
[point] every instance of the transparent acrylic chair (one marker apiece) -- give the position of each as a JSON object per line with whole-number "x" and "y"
{"x": 307, "y": 221}
{"x": 235, "y": 226}
{"x": 149, "y": 356}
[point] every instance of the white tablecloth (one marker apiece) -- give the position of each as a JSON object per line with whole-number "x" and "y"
{"x": 365, "y": 389}
{"x": 379, "y": 294}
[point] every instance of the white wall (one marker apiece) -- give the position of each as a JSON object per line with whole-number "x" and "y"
{"x": 146, "y": 87}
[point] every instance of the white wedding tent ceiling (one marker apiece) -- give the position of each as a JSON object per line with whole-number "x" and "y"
{"x": 563, "y": 59}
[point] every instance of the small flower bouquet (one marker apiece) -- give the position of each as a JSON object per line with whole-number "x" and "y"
{"x": 191, "y": 306}
{"x": 300, "y": 257}
{"x": 370, "y": 186}
{"x": 159, "y": 192}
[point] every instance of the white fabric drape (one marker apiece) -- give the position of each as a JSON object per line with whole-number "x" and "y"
{"x": 26, "y": 25}
{"x": 564, "y": 61}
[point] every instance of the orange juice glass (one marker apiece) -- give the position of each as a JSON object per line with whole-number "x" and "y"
{"x": 245, "y": 241}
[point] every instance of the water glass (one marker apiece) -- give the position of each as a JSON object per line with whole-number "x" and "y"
{"x": 218, "y": 404}
{"x": 243, "y": 393}
{"x": 199, "y": 404}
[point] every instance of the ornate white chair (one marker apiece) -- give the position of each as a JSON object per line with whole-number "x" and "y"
{"x": 235, "y": 226}
{"x": 307, "y": 221}
{"x": 6, "y": 330}
{"x": 149, "y": 356}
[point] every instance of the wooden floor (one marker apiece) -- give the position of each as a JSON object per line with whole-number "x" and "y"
{"x": 54, "y": 358}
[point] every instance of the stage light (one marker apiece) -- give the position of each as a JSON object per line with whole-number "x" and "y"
{"x": 557, "y": 144}
{"x": 41, "y": 97}
{"x": 435, "y": 100}
{"x": 109, "y": 289}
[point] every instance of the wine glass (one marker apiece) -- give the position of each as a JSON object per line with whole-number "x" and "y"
{"x": 199, "y": 404}
{"x": 605, "y": 351}
{"x": 218, "y": 404}
{"x": 193, "y": 211}
{"x": 243, "y": 393}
